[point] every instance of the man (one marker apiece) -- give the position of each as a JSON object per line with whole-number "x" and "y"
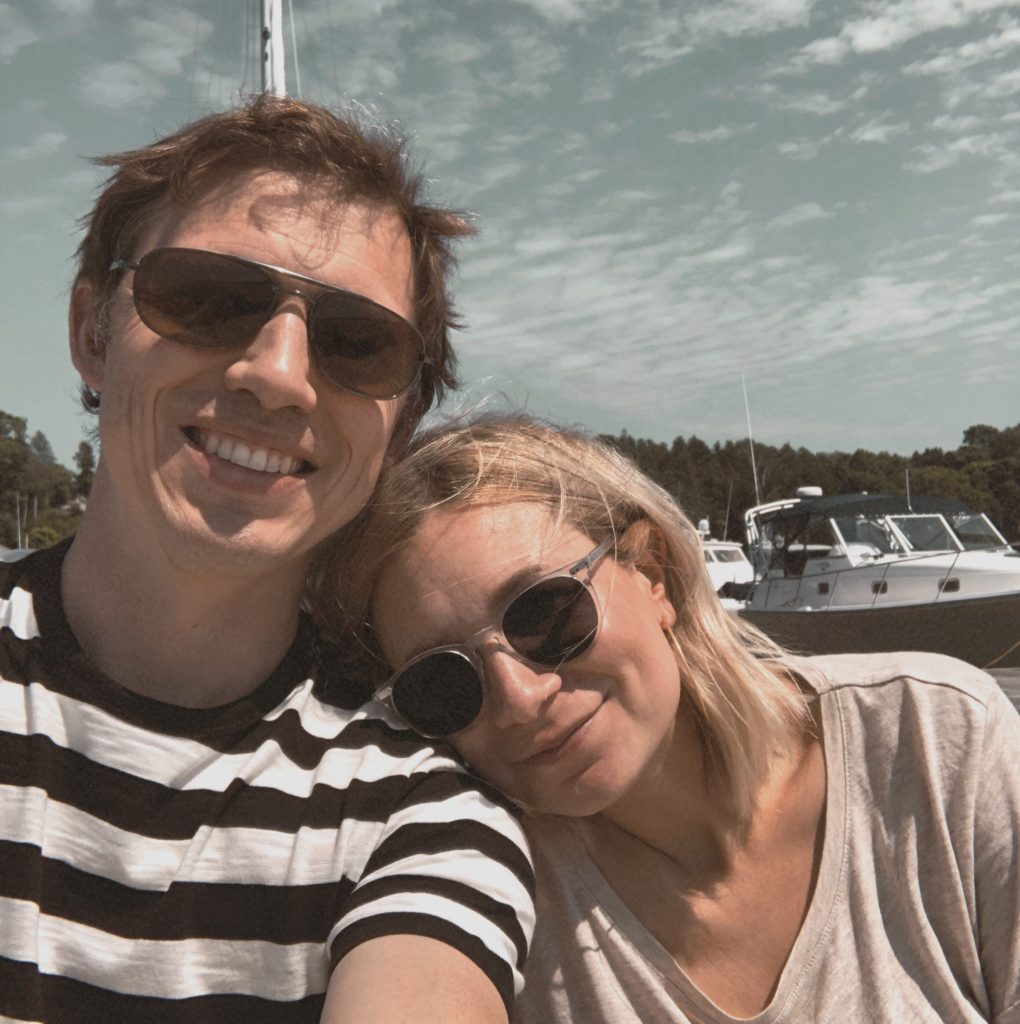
{"x": 194, "y": 825}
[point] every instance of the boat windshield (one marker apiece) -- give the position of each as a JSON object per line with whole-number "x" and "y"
{"x": 871, "y": 531}
{"x": 974, "y": 530}
{"x": 926, "y": 533}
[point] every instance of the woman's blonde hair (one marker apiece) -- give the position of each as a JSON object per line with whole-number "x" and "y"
{"x": 732, "y": 674}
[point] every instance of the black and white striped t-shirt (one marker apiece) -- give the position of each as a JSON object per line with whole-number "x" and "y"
{"x": 167, "y": 864}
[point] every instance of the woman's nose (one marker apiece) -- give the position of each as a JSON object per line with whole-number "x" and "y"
{"x": 515, "y": 692}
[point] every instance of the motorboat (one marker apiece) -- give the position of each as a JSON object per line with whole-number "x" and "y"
{"x": 727, "y": 564}
{"x": 730, "y": 571}
{"x": 882, "y": 572}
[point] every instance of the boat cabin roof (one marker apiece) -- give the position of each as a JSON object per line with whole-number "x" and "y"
{"x": 859, "y": 504}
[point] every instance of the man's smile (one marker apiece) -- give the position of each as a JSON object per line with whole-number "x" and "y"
{"x": 246, "y": 453}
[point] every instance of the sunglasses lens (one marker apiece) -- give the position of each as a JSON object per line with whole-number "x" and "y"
{"x": 553, "y": 621}
{"x": 439, "y": 695}
{"x": 202, "y": 298}
{"x": 363, "y": 348}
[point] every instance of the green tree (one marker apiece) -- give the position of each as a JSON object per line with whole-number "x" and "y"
{"x": 85, "y": 460}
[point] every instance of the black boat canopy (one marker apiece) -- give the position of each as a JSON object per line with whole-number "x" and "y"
{"x": 834, "y": 505}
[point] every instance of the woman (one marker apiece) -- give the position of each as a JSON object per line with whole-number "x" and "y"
{"x": 721, "y": 831}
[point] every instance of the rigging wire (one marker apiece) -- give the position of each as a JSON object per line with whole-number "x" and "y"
{"x": 192, "y": 89}
{"x": 332, "y": 49}
{"x": 294, "y": 51}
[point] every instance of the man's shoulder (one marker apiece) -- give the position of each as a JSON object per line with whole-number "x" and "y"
{"x": 13, "y": 565}
{"x": 23, "y": 577}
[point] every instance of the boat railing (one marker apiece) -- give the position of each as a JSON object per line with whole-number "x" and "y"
{"x": 879, "y": 581}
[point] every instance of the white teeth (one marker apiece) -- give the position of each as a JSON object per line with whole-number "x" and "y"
{"x": 264, "y": 460}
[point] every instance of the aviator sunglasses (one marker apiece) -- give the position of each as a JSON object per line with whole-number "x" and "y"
{"x": 215, "y": 301}
{"x": 439, "y": 692}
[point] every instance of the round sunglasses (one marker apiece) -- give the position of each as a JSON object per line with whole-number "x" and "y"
{"x": 216, "y": 301}
{"x": 439, "y": 692}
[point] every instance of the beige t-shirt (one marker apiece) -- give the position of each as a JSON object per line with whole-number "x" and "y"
{"x": 916, "y": 912}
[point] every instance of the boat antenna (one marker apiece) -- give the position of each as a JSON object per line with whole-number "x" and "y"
{"x": 750, "y": 441}
{"x": 910, "y": 508}
{"x": 274, "y": 76}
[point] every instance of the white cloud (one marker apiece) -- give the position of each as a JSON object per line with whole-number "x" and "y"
{"x": 570, "y": 11}
{"x": 120, "y": 85}
{"x": 15, "y": 32}
{"x": 904, "y": 20}
{"x": 825, "y": 51}
{"x": 718, "y": 134}
{"x": 953, "y": 61}
{"x": 801, "y": 149}
{"x": 167, "y": 40}
{"x": 23, "y": 205}
{"x": 989, "y": 220}
{"x": 803, "y": 213}
{"x": 818, "y": 103}
{"x": 43, "y": 145}
{"x": 727, "y": 18}
{"x": 958, "y": 123}
{"x": 737, "y": 249}
{"x": 878, "y": 131}
{"x": 533, "y": 61}
{"x": 75, "y": 9}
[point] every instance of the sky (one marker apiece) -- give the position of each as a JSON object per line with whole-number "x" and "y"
{"x": 820, "y": 197}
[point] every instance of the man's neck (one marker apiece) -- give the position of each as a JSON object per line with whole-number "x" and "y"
{"x": 191, "y": 637}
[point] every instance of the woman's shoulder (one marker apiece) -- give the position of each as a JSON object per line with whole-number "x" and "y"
{"x": 896, "y": 670}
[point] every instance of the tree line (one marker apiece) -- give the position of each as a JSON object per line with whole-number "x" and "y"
{"x": 41, "y": 501}
{"x": 715, "y": 481}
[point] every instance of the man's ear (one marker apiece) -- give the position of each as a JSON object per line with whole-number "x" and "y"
{"x": 88, "y": 349}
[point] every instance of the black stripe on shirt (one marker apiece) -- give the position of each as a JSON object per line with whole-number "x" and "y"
{"x": 282, "y": 914}
{"x": 29, "y": 995}
{"x": 500, "y": 914}
{"x": 151, "y": 809}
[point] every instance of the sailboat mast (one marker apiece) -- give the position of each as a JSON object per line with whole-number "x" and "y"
{"x": 273, "y": 70}
{"x": 750, "y": 441}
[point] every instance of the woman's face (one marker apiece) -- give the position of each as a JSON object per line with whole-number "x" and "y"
{"x": 571, "y": 739}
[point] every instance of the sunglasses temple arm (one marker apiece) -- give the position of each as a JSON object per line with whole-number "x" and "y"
{"x": 592, "y": 557}
{"x": 384, "y": 694}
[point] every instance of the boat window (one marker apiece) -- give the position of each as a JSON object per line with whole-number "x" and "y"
{"x": 866, "y": 530}
{"x": 729, "y": 555}
{"x": 975, "y": 530}
{"x": 708, "y": 556}
{"x": 822, "y": 541}
{"x": 926, "y": 533}
{"x": 795, "y": 540}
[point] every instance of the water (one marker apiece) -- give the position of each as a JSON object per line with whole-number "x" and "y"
{"x": 1009, "y": 680}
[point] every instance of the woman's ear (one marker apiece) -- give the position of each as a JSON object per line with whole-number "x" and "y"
{"x": 644, "y": 546}
{"x": 88, "y": 348}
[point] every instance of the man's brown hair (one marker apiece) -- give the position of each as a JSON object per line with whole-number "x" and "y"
{"x": 352, "y": 159}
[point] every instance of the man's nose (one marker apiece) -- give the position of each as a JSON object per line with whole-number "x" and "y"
{"x": 515, "y": 692}
{"x": 276, "y": 365}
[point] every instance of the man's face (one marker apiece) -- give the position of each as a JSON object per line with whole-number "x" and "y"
{"x": 247, "y": 457}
